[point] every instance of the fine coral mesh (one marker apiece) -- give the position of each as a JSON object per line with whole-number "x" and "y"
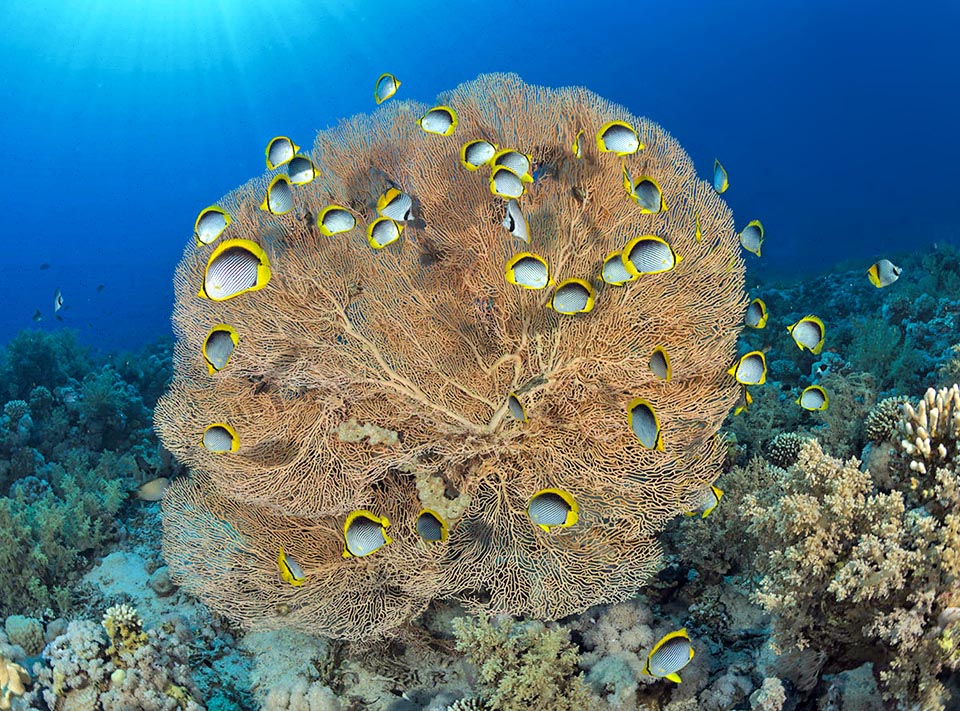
{"x": 424, "y": 340}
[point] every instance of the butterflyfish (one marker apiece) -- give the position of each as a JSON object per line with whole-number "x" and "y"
{"x": 645, "y": 424}
{"x": 37, "y": 316}
{"x": 527, "y": 270}
{"x": 518, "y": 162}
{"x": 649, "y": 196}
{"x": 697, "y": 232}
{"x": 57, "y": 300}
{"x": 364, "y": 533}
{"x": 474, "y": 154}
{"x": 756, "y": 315}
{"x": 721, "y": 181}
{"x": 280, "y": 151}
{"x": 618, "y": 137}
{"x": 614, "y": 272}
{"x": 153, "y": 489}
{"x": 290, "y": 570}
{"x": 649, "y": 254}
{"x": 627, "y": 178}
{"x": 515, "y": 407}
{"x": 744, "y": 402}
{"x": 386, "y": 86}
{"x": 813, "y": 398}
{"x": 301, "y": 170}
{"x": 383, "y": 231}
{"x": 219, "y": 346}
{"x": 219, "y": 438}
{"x": 709, "y": 499}
{"x": 396, "y": 205}
{"x": 668, "y": 656}
{"x": 515, "y": 223}
{"x": 440, "y": 120}
{"x": 279, "y": 197}
{"x": 808, "y": 333}
{"x": 553, "y": 508}
{"x": 660, "y": 364}
{"x": 334, "y": 219}
{"x": 752, "y": 237}
{"x": 572, "y": 296}
{"x": 578, "y": 144}
{"x": 750, "y": 369}
{"x": 505, "y": 183}
{"x": 236, "y": 266}
{"x": 431, "y": 526}
{"x": 210, "y": 224}
{"x": 883, "y": 273}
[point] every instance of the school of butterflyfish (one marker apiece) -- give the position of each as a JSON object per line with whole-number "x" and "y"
{"x": 457, "y": 352}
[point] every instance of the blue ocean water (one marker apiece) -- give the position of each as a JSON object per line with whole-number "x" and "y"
{"x": 836, "y": 121}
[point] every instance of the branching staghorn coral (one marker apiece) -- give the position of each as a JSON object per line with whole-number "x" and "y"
{"x": 427, "y": 339}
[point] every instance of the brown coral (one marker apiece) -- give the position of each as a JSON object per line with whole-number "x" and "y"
{"x": 425, "y": 338}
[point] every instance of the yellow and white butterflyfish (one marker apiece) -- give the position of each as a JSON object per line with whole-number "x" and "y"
{"x": 660, "y": 364}
{"x": 431, "y": 526}
{"x": 279, "y": 197}
{"x": 383, "y": 231}
{"x": 301, "y": 170}
{"x": 440, "y": 121}
{"x": 752, "y": 237}
{"x": 290, "y": 570}
{"x": 386, "y": 86}
{"x": 883, "y": 273}
{"x": 519, "y": 163}
{"x": 613, "y": 272}
{"x": 813, "y": 398}
{"x": 750, "y": 369}
{"x": 572, "y": 296}
{"x": 648, "y": 194}
{"x": 743, "y": 402}
{"x": 218, "y": 346}
{"x": 649, "y": 254}
{"x": 697, "y": 232}
{"x": 756, "y": 314}
{"x": 280, "y": 151}
{"x": 578, "y": 144}
{"x": 504, "y": 183}
{"x": 721, "y": 181}
{"x": 516, "y": 408}
{"x": 618, "y": 137}
{"x": 210, "y": 224}
{"x": 57, "y": 301}
{"x": 515, "y": 223}
{"x": 219, "y": 438}
{"x": 808, "y": 333}
{"x": 235, "y": 267}
{"x": 364, "y": 533}
{"x": 477, "y": 153}
{"x": 709, "y": 499}
{"x": 334, "y": 219}
{"x": 553, "y": 508}
{"x": 527, "y": 270}
{"x": 645, "y": 424}
{"x": 671, "y": 654}
{"x": 396, "y": 205}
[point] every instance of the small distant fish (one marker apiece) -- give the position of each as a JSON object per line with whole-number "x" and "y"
{"x": 383, "y": 231}
{"x": 280, "y": 151}
{"x": 756, "y": 316}
{"x": 57, "y": 301}
{"x": 572, "y": 296}
{"x": 440, "y": 120}
{"x": 431, "y": 526}
{"x": 515, "y": 407}
{"x": 721, "y": 181}
{"x": 645, "y": 424}
{"x": 474, "y": 154}
{"x": 515, "y": 223}
{"x": 43, "y": 266}
{"x": 553, "y": 508}
{"x": 618, "y": 137}
{"x": 578, "y": 144}
{"x": 668, "y": 656}
{"x": 698, "y": 233}
{"x": 290, "y": 570}
{"x": 808, "y": 333}
{"x": 813, "y": 398}
{"x": 37, "y": 316}
{"x": 279, "y": 197}
{"x": 386, "y": 86}
{"x": 100, "y": 287}
{"x": 527, "y": 270}
{"x": 752, "y": 237}
{"x": 153, "y": 489}
{"x": 709, "y": 500}
{"x": 364, "y": 533}
{"x": 750, "y": 369}
{"x": 883, "y": 273}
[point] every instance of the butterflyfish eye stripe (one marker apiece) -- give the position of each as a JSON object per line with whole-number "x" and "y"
{"x": 364, "y": 533}
{"x": 383, "y": 231}
{"x": 528, "y": 270}
{"x": 649, "y": 254}
{"x": 301, "y": 170}
{"x": 219, "y": 346}
{"x": 219, "y": 438}
{"x": 431, "y": 527}
{"x": 334, "y": 220}
{"x": 280, "y": 150}
{"x": 474, "y": 154}
{"x": 572, "y": 296}
{"x": 552, "y": 507}
{"x": 614, "y": 272}
{"x": 618, "y": 137}
{"x": 645, "y": 424}
{"x": 235, "y": 266}
{"x": 660, "y": 363}
{"x": 279, "y": 198}
{"x": 210, "y": 224}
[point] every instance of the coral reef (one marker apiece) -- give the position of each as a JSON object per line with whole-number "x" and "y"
{"x": 493, "y": 397}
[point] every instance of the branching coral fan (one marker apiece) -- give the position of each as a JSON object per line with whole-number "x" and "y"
{"x": 417, "y": 377}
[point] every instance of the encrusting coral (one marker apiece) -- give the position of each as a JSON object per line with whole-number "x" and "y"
{"x": 13, "y": 679}
{"x": 493, "y": 396}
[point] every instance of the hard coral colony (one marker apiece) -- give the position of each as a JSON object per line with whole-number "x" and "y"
{"x": 426, "y": 413}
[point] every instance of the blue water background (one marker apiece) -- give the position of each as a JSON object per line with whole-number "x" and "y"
{"x": 836, "y": 121}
